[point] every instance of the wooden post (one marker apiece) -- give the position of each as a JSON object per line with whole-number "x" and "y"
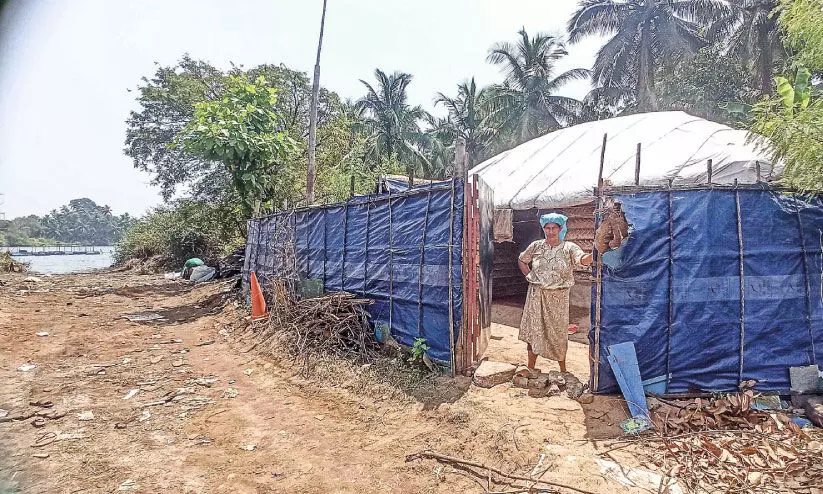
{"x": 709, "y": 171}
{"x": 739, "y": 219}
{"x": 451, "y": 288}
{"x": 391, "y": 266}
{"x": 637, "y": 165}
{"x": 420, "y": 268}
{"x": 757, "y": 170}
{"x": 599, "y": 275}
{"x": 602, "y": 162}
{"x": 460, "y": 158}
{"x": 351, "y": 191}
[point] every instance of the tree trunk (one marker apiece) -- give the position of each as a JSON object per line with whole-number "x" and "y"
{"x": 765, "y": 62}
{"x": 315, "y": 93}
{"x": 646, "y": 99}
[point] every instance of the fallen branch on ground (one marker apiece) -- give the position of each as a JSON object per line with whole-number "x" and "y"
{"x": 459, "y": 461}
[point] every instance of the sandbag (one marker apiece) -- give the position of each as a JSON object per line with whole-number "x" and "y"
{"x": 202, "y": 274}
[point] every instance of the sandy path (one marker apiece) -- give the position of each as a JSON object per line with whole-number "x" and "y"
{"x": 307, "y": 436}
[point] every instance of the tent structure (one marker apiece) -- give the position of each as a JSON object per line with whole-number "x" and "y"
{"x": 716, "y": 285}
{"x": 560, "y": 169}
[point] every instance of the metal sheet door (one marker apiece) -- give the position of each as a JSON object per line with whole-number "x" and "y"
{"x": 478, "y": 262}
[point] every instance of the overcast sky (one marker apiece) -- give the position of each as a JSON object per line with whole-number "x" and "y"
{"x": 65, "y": 67}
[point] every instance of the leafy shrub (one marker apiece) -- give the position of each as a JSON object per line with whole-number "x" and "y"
{"x": 187, "y": 229}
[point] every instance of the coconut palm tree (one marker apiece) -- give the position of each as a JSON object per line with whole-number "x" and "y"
{"x": 526, "y": 102}
{"x": 750, "y": 30}
{"x": 469, "y": 116}
{"x": 646, "y": 34}
{"x": 391, "y": 123}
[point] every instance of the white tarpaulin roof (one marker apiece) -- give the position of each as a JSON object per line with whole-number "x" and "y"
{"x": 560, "y": 169}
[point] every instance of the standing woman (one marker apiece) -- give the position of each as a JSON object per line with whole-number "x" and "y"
{"x": 549, "y": 267}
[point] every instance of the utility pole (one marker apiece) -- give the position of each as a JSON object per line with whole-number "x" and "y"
{"x": 315, "y": 93}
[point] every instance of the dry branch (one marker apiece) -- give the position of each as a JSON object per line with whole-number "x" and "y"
{"x": 459, "y": 461}
{"x": 335, "y": 323}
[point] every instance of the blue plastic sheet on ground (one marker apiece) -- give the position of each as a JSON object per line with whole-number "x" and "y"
{"x": 623, "y": 361}
{"x": 683, "y": 305}
{"x": 393, "y": 249}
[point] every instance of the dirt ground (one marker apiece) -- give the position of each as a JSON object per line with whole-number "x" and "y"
{"x": 171, "y": 411}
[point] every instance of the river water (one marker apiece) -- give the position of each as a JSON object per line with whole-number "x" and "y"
{"x": 69, "y": 263}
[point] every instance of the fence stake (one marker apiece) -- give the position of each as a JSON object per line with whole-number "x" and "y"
{"x": 422, "y": 263}
{"x": 637, "y": 165}
{"x": 599, "y": 275}
{"x": 709, "y": 171}
{"x": 670, "y": 316}
{"x": 451, "y": 297}
{"x": 366, "y": 262}
{"x": 806, "y": 284}
{"x": 391, "y": 267}
{"x": 343, "y": 257}
{"x": 742, "y": 283}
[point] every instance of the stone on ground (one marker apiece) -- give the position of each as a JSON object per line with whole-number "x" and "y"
{"x": 490, "y": 374}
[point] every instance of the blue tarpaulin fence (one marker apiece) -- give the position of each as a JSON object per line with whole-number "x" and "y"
{"x": 392, "y": 248}
{"x": 715, "y": 287}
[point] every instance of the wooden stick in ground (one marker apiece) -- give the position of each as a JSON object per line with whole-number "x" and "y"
{"x": 451, "y": 459}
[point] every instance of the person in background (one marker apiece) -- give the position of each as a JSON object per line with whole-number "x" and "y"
{"x": 191, "y": 264}
{"x": 549, "y": 268}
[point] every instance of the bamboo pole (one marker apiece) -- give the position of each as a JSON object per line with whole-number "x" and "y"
{"x": 391, "y": 265}
{"x": 742, "y": 282}
{"x": 422, "y": 263}
{"x": 598, "y": 279}
{"x": 637, "y": 165}
{"x": 451, "y": 297}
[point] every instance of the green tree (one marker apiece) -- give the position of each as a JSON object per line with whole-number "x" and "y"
{"x": 392, "y": 124}
{"x": 166, "y": 105}
{"x": 646, "y": 34}
{"x": 526, "y": 103}
{"x": 82, "y": 221}
{"x": 750, "y": 31}
{"x": 242, "y": 132}
{"x": 792, "y": 121}
{"x": 712, "y": 85}
{"x": 803, "y": 22}
{"x": 181, "y": 230}
{"x": 470, "y": 117}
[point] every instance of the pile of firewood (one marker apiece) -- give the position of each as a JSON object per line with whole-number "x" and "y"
{"x": 335, "y": 323}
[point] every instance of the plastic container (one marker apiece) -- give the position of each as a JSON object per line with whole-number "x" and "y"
{"x": 656, "y": 385}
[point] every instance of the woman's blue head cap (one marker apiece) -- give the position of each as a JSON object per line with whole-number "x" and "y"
{"x": 559, "y": 219}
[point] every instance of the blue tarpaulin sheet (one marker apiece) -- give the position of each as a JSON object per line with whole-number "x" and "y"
{"x": 715, "y": 287}
{"x": 393, "y": 249}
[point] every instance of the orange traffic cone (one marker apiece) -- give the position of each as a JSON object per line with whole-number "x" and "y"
{"x": 258, "y": 303}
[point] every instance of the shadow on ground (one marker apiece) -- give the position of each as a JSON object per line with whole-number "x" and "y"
{"x": 603, "y": 416}
{"x": 153, "y": 289}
